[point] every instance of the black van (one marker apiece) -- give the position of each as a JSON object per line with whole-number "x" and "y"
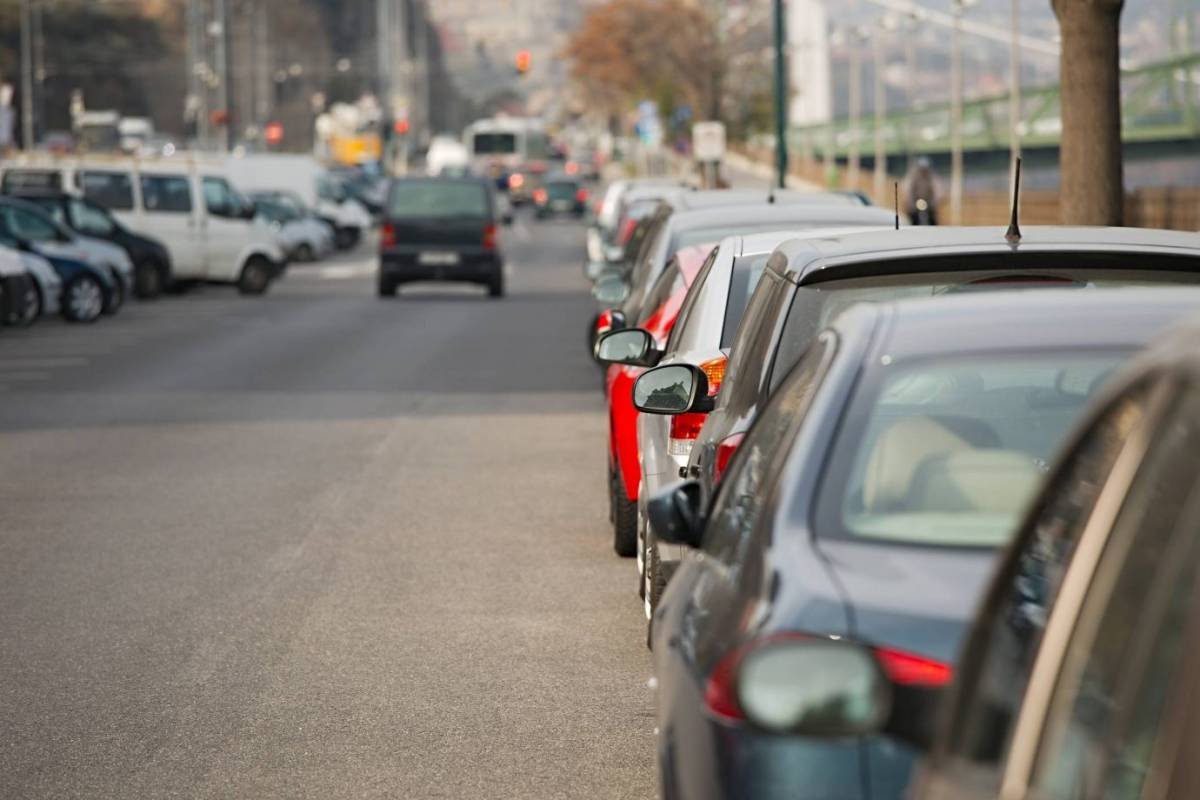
{"x": 440, "y": 229}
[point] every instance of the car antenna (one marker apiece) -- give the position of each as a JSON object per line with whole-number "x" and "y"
{"x": 896, "y": 201}
{"x": 1013, "y": 235}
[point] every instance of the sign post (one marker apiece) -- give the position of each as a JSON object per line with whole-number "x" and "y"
{"x": 708, "y": 148}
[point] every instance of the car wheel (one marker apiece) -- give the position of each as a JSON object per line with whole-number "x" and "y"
{"x": 83, "y": 299}
{"x": 624, "y": 520}
{"x": 27, "y": 307}
{"x": 304, "y": 253}
{"x": 387, "y": 287}
{"x": 148, "y": 279}
{"x": 655, "y": 582}
{"x": 496, "y": 285}
{"x": 117, "y": 298}
{"x": 255, "y": 277}
{"x": 345, "y": 238}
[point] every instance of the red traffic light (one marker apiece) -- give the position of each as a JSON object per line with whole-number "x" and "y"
{"x": 524, "y": 61}
{"x": 273, "y": 133}
{"x": 400, "y": 127}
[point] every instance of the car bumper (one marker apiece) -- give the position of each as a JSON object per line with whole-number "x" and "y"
{"x": 470, "y": 267}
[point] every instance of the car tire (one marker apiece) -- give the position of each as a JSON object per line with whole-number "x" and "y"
{"x": 624, "y": 520}
{"x": 83, "y": 299}
{"x": 27, "y": 308}
{"x": 304, "y": 253}
{"x": 256, "y": 276}
{"x": 496, "y": 284}
{"x": 655, "y": 582}
{"x": 149, "y": 279}
{"x": 387, "y": 287}
{"x": 117, "y": 298}
{"x": 345, "y": 238}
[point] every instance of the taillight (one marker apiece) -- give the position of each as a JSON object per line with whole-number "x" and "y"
{"x": 516, "y": 180}
{"x": 489, "y": 237}
{"x": 604, "y": 322}
{"x": 387, "y": 235}
{"x": 685, "y": 429}
{"x": 905, "y": 669}
{"x": 725, "y": 451}
{"x": 598, "y": 206}
{"x": 626, "y": 232}
{"x": 581, "y": 196}
{"x": 571, "y": 168}
{"x": 540, "y": 197}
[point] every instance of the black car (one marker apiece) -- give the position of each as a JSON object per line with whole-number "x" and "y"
{"x": 440, "y": 229}
{"x": 560, "y": 194}
{"x": 151, "y": 261}
{"x": 1078, "y": 677}
{"x": 866, "y": 505}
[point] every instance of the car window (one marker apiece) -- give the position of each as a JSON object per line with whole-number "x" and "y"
{"x": 166, "y": 194}
{"x": 758, "y": 460}
{"x": 219, "y": 198}
{"x": 947, "y": 452}
{"x": 16, "y": 180}
{"x": 28, "y": 225}
{"x": 644, "y": 267}
{"x": 112, "y": 190}
{"x": 999, "y": 657}
{"x": 89, "y": 219}
{"x": 744, "y": 278}
{"x": 749, "y": 357}
{"x": 689, "y": 302}
{"x": 1103, "y": 715}
{"x": 415, "y": 199}
{"x": 51, "y": 205}
{"x": 670, "y": 282}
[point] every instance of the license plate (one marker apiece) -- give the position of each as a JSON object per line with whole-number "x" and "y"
{"x": 437, "y": 259}
{"x": 562, "y": 205}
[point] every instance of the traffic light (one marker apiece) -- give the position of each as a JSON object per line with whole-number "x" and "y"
{"x": 524, "y": 61}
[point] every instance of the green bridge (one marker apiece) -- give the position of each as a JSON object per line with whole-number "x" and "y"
{"x": 1159, "y": 109}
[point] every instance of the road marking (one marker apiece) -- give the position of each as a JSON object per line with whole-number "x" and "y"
{"x": 41, "y": 363}
{"x": 341, "y": 272}
{"x": 24, "y": 376}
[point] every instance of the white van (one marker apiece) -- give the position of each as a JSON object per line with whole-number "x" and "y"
{"x": 187, "y": 203}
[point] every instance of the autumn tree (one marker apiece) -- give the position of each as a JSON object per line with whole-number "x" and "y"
{"x": 1092, "y": 180}
{"x": 664, "y": 50}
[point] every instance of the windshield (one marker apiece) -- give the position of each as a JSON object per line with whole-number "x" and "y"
{"x": 486, "y": 144}
{"x": 948, "y": 453}
{"x": 431, "y": 199}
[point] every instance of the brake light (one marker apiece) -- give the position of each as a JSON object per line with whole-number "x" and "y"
{"x": 581, "y": 196}
{"x": 387, "y": 235}
{"x": 685, "y": 429}
{"x": 626, "y": 232}
{"x": 571, "y": 168}
{"x": 604, "y": 322}
{"x": 516, "y": 180}
{"x": 725, "y": 451}
{"x": 540, "y": 197}
{"x": 489, "y": 237}
{"x": 907, "y": 669}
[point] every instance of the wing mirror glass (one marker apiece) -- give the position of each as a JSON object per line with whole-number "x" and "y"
{"x": 675, "y": 514}
{"x": 595, "y": 269}
{"x": 814, "y": 687}
{"x": 672, "y": 389}
{"x": 632, "y": 346}
{"x": 248, "y": 210}
{"x": 610, "y": 291}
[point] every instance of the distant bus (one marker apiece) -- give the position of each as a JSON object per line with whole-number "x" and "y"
{"x": 511, "y": 150}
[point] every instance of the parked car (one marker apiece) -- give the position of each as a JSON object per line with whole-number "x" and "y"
{"x": 624, "y": 455}
{"x": 703, "y": 336}
{"x": 560, "y": 194}
{"x": 867, "y": 505}
{"x": 46, "y": 282}
{"x": 807, "y": 283}
{"x": 440, "y": 229}
{"x": 28, "y": 223}
{"x": 186, "y": 203}
{"x": 681, "y": 230}
{"x": 81, "y": 291}
{"x": 149, "y": 257}
{"x": 303, "y": 237}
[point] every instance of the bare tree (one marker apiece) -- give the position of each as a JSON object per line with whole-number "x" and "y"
{"x": 1092, "y": 175}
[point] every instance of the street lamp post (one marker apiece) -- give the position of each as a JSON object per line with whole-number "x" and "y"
{"x": 956, "y": 115}
{"x": 781, "y": 95}
{"x": 27, "y": 74}
{"x": 880, "y": 113}
{"x": 853, "y": 157}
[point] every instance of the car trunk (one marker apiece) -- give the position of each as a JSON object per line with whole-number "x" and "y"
{"x": 454, "y": 233}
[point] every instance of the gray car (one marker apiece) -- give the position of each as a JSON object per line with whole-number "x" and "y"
{"x": 867, "y": 504}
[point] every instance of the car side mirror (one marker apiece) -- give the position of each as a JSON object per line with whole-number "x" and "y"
{"x": 631, "y": 346}
{"x": 672, "y": 389}
{"x": 814, "y": 687}
{"x": 25, "y": 245}
{"x": 248, "y": 211}
{"x": 675, "y": 514}
{"x": 595, "y": 269}
{"x": 610, "y": 291}
{"x": 614, "y": 252}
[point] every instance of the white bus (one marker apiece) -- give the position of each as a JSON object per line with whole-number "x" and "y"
{"x": 511, "y": 150}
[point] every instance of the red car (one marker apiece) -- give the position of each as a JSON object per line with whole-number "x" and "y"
{"x": 624, "y": 466}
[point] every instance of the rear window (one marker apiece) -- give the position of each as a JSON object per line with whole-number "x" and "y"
{"x": 746, "y": 272}
{"x": 16, "y": 180}
{"x": 561, "y": 190}
{"x": 112, "y": 190}
{"x": 436, "y": 199}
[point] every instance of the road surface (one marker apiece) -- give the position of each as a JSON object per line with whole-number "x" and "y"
{"x": 319, "y": 544}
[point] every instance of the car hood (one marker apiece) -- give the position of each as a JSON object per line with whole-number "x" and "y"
{"x": 918, "y": 599}
{"x": 108, "y": 253}
{"x": 10, "y": 263}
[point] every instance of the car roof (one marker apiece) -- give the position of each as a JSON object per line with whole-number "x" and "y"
{"x": 1026, "y": 319}
{"x": 757, "y": 243}
{"x": 815, "y": 214}
{"x": 688, "y": 200}
{"x": 831, "y": 257}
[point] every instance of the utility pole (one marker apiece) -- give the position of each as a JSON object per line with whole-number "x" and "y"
{"x": 262, "y": 66}
{"x": 956, "y": 116}
{"x": 854, "y": 160}
{"x": 880, "y": 113}
{"x": 781, "y": 96}
{"x": 39, "y": 67}
{"x": 220, "y": 33}
{"x": 1014, "y": 94}
{"x": 27, "y": 75}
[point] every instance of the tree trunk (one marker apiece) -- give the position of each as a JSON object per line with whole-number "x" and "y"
{"x": 1092, "y": 180}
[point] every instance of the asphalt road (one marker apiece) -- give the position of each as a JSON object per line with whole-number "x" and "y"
{"x": 318, "y": 544}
